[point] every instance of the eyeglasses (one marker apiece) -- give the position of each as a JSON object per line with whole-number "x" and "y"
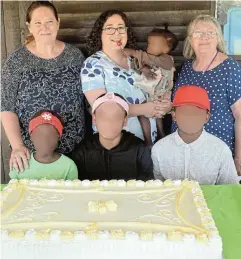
{"x": 208, "y": 34}
{"x": 112, "y": 30}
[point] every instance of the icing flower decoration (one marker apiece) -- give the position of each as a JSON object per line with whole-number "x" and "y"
{"x": 102, "y": 206}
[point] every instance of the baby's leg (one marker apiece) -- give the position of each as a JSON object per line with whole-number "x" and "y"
{"x": 160, "y": 129}
{"x": 146, "y": 128}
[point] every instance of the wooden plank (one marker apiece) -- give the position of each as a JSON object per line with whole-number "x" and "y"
{"x": 129, "y": 6}
{"x": 138, "y": 19}
{"x": 2, "y": 169}
{"x": 5, "y": 156}
{"x": 213, "y": 8}
{"x": 11, "y": 23}
{"x": 3, "y": 42}
{"x": 23, "y": 7}
{"x": 141, "y": 33}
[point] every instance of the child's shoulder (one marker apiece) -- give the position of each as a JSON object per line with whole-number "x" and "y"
{"x": 65, "y": 159}
{"x": 215, "y": 142}
{"x": 87, "y": 144}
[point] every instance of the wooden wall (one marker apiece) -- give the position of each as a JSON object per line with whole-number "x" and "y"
{"x": 77, "y": 19}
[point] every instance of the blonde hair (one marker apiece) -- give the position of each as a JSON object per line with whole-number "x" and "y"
{"x": 188, "y": 51}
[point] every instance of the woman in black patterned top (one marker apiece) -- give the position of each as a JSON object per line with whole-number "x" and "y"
{"x": 43, "y": 74}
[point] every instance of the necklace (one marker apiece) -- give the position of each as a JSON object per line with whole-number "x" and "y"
{"x": 203, "y": 72}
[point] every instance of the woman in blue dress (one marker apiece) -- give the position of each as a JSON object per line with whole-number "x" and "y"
{"x": 108, "y": 70}
{"x": 210, "y": 68}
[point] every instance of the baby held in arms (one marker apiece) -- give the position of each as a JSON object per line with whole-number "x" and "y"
{"x": 155, "y": 68}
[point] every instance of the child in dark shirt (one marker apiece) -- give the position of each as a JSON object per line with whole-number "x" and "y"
{"x": 112, "y": 153}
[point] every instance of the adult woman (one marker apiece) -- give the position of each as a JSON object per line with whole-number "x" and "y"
{"x": 44, "y": 74}
{"x": 209, "y": 67}
{"x": 107, "y": 70}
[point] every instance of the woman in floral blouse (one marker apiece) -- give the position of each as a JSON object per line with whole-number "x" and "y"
{"x": 108, "y": 70}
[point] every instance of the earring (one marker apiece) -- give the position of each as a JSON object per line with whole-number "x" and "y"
{"x": 28, "y": 39}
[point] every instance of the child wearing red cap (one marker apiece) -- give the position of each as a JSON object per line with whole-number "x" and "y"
{"x": 191, "y": 152}
{"x": 112, "y": 153}
{"x": 45, "y": 129}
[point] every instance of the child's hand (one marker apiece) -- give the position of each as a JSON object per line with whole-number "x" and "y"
{"x": 167, "y": 96}
{"x": 149, "y": 75}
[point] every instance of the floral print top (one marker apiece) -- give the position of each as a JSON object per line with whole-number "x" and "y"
{"x": 99, "y": 71}
{"x": 31, "y": 84}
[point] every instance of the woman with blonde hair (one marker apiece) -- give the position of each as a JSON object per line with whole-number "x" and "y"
{"x": 209, "y": 67}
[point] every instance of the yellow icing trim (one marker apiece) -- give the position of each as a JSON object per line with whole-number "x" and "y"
{"x": 68, "y": 225}
{"x": 146, "y": 235}
{"x": 102, "y": 189}
{"x": 117, "y": 234}
{"x": 14, "y": 207}
{"x": 175, "y": 236}
{"x": 42, "y": 234}
{"x": 17, "y": 234}
{"x": 179, "y": 211}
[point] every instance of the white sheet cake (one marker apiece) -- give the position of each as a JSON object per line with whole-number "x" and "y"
{"x": 107, "y": 219}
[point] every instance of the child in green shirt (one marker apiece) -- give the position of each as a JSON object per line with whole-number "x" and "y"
{"x": 45, "y": 129}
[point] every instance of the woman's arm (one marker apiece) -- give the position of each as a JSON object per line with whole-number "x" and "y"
{"x": 92, "y": 95}
{"x": 11, "y": 126}
{"x": 20, "y": 154}
{"x": 11, "y": 76}
{"x": 236, "y": 109}
{"x": 151, "y": 109}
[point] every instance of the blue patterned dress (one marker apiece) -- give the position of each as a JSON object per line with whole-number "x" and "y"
{"x": 99, "y": 71}
{"x": 223, "y": 84}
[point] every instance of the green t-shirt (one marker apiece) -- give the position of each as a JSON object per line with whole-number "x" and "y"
{"x": 63, "y": 168}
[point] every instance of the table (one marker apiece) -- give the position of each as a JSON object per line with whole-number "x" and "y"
{"x": 225, "y": 204}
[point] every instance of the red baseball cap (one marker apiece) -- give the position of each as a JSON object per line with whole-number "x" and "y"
{"x": 46, "y": 118}
{"x": 193, "y": 95}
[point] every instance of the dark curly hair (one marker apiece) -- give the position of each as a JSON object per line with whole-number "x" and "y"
{"x": 94, "y": 39}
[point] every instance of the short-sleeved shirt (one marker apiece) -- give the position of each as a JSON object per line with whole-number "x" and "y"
{"x": 223, "y": 84}
{"x": 63, "y": 168}
{"x": 207, "y": 160}
{"x": 30, "y": 84}
{"x": 99, "y": 71}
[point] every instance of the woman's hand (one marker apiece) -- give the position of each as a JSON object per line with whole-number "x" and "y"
{"x": 19, "y": 158}
{"x": 149, "y": 109}
{"x": 162, "y": 108}
{"x": 156, "y": 109}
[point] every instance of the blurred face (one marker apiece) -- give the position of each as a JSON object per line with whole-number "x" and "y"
{"x": 43, "y": 25}
{"x": 111, "y": 38}
{"x": 204, "y": 38}
{"x": 157, "y": 45}
{"x": 109, "y": 118}
{"x": 190, "y": 119}
{"x": 45, "y": 139}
